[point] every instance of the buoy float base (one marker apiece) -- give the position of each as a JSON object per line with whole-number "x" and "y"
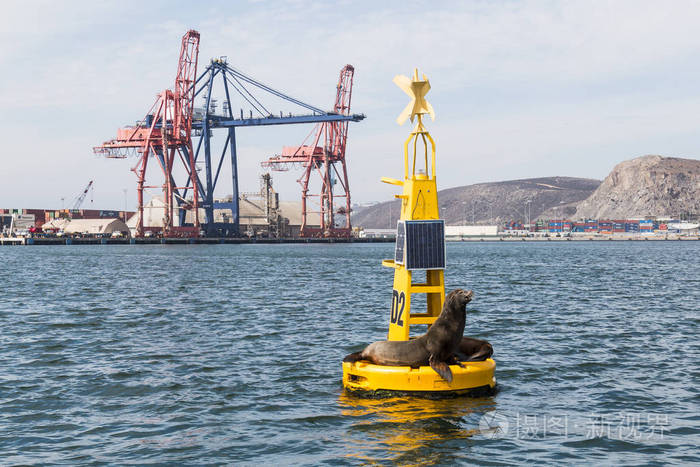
{"x": 474, "y": 378}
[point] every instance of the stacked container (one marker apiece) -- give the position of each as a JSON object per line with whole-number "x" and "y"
{"x": 632, "y": 226}
{"x": 605, "y": 227}
{"x": 591, "y": 226}
{"x": 555, "y": 226}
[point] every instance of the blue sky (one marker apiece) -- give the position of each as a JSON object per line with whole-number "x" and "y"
{"x": 520, "y": 89}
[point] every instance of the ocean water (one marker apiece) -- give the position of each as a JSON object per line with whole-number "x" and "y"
{"x": 231, "y": 354}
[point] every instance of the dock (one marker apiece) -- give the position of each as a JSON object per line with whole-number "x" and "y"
{"x": 23, "y": 241}
{"x": 20, "y": 241}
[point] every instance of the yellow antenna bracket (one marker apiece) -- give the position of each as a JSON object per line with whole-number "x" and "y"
{"x": 392, "y": 181}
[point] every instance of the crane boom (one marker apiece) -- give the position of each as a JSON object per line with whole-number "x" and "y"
{"x": 79, "y": 200}
{"x": 184, "y": 84}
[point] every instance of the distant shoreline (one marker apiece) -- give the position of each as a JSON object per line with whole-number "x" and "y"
{"x": 20, "y": 241}
{"x": 582, "y": 238}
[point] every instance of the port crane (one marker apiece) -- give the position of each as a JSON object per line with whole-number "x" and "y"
{"x": 79, "y": 200}
{"x": 164, "y": 133}
{"x": 173, "y": 123}
{"x": 251, "y": 91}
{"x": 323, "y": 160}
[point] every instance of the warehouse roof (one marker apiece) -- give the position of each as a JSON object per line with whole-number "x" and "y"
{"x": 95, "y": 226}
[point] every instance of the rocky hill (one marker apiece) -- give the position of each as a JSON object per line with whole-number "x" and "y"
{"x": 665, "y": 187}
{"x": 492, "y": 203}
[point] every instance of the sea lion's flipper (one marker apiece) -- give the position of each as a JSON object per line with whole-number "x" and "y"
{"x": 454, "y": 360}
{"x": 353, "y": 357}
{"x": 441, "y": 368}
{"x": 483, "y": 353}
{"x": 474, "y": 350}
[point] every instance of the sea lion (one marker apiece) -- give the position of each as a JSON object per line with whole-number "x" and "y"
{"x": 436, "y": 347}
{"x": 473, "y": 350}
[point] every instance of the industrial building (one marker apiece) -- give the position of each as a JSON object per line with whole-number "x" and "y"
{"x": 256, "y": 220}
{"x": 261, "y": 214}
{"x": 39, "y": 217}
{"x": 457, "y": 232}
{"x": 97, "y": 227}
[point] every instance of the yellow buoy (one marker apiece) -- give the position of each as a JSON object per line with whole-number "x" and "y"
{"x": 420, "y": 246}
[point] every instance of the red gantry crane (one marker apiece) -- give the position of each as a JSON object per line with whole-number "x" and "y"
{"x": 164, "y": 133}
{"x": 324, "y": 161}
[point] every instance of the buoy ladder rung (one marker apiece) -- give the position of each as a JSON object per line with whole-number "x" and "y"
{"x": 429, "y": 289}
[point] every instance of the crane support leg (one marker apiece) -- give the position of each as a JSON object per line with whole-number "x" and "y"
{"x": 141, "y": 174}
{"x": 234, "y": 176}
{"x": 209, "y": 190}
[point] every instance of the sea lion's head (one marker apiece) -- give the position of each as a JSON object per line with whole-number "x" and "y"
{"x": 458, "y": 299}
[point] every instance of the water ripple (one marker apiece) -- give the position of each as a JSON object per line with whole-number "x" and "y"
{"x": 228, "y": 354}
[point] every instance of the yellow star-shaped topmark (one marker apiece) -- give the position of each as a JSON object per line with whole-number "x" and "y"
{"x": 416, "y": 90}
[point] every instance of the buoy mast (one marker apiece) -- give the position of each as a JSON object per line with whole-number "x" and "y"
{"x": 418, "y": 203}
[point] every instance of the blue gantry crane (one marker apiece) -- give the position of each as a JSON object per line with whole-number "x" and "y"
{"x": 233, "y": 80}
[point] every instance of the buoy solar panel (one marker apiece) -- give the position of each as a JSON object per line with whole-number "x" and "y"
{"x": 420, "y": 244}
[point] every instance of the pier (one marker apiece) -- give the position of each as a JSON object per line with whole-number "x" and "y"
{"x": 10, "y": 241}
{"x": 21, "y": 241}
